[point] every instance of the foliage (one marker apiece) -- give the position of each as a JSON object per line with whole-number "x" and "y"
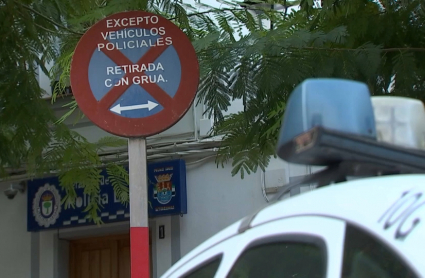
{"x": 31, "y": 139}
{"x": 24, "y": 117}
{"x": 77, "y": 163}
{"x": 242, "y": 57}
{"x": 215, "y": 32}
{"x": 376, "y": 42}
{"x": 119, "y": 180}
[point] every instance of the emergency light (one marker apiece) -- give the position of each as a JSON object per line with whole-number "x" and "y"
{"x": 335, "y": 123}
{"x": 335, "y": 104}
{"x": 400, "y": 121}
{"x": 330, "y": 121}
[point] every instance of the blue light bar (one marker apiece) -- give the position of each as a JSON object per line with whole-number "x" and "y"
{"x": 334, "y": 104}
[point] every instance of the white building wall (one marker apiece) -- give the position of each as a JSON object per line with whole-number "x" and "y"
{"x": 162, "y": 253}
{"x": 15, "y": 241}
{"x": 47, "y": 253}
{"x": 44, "y": 81}
{"x": 215, "y": 200}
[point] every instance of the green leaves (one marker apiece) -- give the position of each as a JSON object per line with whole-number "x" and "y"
{"x": 119, "y": 179}
{"x": 368, "y": 60}
{"x": 204, "y": 42}
{"x": 239, "y": 147}
{"x": 24, "y": 117}
{"x": 351, "y": 39}
{"x": 241, "y": 59}
{"x": 406, "y": 74}
{"x": 77, "y": 162}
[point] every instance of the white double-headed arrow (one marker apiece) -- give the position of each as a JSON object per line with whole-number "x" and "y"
{"x": 118, "y": 108}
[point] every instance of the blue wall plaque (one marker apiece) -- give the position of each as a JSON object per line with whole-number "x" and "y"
{"x": 45, "y": 209}
{"x": 166, "y": 189}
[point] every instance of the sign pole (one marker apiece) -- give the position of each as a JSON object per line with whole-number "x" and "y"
{"x": 139, "y": 225}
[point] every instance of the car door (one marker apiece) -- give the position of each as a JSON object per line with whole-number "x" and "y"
{"x": 301, "y": 246}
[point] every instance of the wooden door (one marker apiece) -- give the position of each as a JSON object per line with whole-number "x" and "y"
{"x": 101, "y": 257}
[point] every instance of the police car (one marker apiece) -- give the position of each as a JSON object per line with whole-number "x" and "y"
{"x": 366, "y": 217}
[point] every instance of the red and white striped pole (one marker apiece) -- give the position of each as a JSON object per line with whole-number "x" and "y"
{"x": 139, "y": 225}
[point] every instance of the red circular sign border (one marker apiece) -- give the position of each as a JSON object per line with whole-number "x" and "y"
{"x": 134, "y": 127}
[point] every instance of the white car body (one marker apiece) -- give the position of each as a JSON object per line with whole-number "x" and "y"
{"x": 388, "y": 209}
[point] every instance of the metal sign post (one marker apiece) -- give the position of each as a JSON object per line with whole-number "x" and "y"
{"x": 135, "y": 74}
{"x": 139, "y": 223}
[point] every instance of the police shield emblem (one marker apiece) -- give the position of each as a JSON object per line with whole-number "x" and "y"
{"x": 164, "y": 189}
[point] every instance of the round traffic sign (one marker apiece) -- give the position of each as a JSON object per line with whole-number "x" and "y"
{"x": 134, "y": 74}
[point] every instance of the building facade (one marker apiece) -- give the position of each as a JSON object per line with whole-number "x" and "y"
{"x": 215, "y": 199}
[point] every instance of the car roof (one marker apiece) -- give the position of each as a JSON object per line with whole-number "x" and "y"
{"x": 392, "y": 208}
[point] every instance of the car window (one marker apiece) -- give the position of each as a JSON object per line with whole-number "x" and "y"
{"x": 281, "y": 259}
{"x": 206, "y": 270}
{"x": 366, "y": 257}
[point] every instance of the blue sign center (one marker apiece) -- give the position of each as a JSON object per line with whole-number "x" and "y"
{"x": 135, "y": 80}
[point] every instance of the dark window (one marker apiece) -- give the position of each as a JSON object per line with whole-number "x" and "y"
{"x": 282, "y": 259}
{"x": 366, "y": 257}
{"x": 206, "y": 270}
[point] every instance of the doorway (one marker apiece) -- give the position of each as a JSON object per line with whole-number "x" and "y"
{"x": 101, "y": 257}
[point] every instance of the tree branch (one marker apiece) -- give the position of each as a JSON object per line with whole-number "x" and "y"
{"x": 222, "y": 10}
{"x": 393, "y": 49}
{"x": 44, "y": 28}
{"x": 47, "y": 19}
